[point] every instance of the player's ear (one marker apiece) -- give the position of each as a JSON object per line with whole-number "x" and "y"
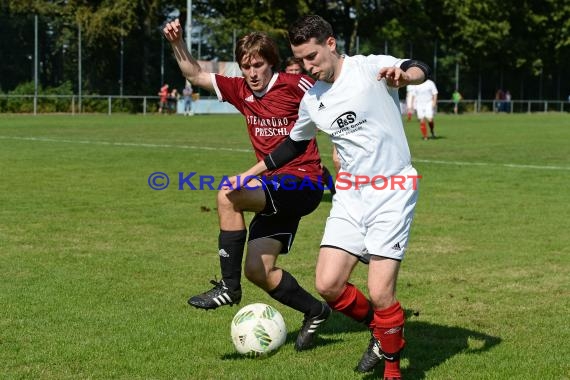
{"x": 331, "y": 43}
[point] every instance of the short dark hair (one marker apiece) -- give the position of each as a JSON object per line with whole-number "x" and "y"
{"x": 307, "y": 27}
{"x": 258, "y": 43}
{"x": 293, "y": 61}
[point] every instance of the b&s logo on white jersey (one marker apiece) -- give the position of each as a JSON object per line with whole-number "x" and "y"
{"x": 346, "y": 123}
{"x": 344, "y": 120}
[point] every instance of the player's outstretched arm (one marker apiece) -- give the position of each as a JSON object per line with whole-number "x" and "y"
{"x": 410, "y": 72}
{"x": 190, "y": 68}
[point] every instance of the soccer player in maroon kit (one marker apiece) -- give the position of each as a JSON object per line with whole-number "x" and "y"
{"x": 269, "y": 100}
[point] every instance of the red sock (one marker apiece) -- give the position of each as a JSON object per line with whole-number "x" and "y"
{"x": 389, "y": 330}
{"x": 354, "y": 304}
{"x": 423, "y": 129}
{"x": 409, "y": 116}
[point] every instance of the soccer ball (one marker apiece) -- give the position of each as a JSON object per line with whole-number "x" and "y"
{"x": 258, "y": 329}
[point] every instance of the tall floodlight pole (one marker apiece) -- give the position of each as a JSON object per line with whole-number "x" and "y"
{"x": 234, "y": 45}
{"x": 122, "y": 64}
{"x": 35, "y": 64}
{"x": 479, "y": 87}
{"x": 200, "y": 43}
{"x": 162, "y": 61}
{"x": 189, "y": 25}
{"x": 434, "y": 71}
{"x": 79, "y": 80}
{"x": 171, "y": 15}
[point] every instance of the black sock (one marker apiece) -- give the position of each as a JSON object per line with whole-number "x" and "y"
{"x": 431, "y": 127}
{"x": 231, "y": 245}
{"x": 328, "y": 180}
{"x": 290, "y": 293}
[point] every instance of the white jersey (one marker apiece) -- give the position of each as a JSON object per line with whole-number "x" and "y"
{"x": 423, "y": 93}
{"x": 410, "y": 96}
{"x": 362, "y": 116}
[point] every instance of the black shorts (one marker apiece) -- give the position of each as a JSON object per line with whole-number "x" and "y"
{"x": 285, "y": 205}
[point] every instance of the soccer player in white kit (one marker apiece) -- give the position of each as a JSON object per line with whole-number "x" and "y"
{"x": 355, "y": 101}
{"x": 425, "y": 101}
{"x": 409, "y": 101}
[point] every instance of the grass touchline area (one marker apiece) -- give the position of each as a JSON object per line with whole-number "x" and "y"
{"x": 97, "y": 267}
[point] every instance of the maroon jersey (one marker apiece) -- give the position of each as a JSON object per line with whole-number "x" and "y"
{"x": 270, "y": 116}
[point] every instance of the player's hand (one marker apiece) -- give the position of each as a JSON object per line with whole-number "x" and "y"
{"x": 173, "y": 30}
{"x": 395, "y": 77}
{"x": 242, "y": 181}
{"x": 233, "y": 183}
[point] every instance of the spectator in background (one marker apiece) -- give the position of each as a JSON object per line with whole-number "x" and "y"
{"x": 425, "y": 101}
{"x": 173, "y": 100}
{"x": 457, "y": 98}
{"x": 163, "y": 98}
{"x": 499, "y": 99}
{"x": 294, "y": 66}
{"x": 507, "y": 104}
{"x": 187, "y": 94}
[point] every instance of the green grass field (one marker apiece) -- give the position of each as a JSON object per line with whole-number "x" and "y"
{"x": 96, "y": 267}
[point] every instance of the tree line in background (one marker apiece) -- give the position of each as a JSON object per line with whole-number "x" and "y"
{"x": 477, "y": 45}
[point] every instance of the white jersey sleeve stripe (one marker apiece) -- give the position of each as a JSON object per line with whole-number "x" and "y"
{"x": 215, "y": 84}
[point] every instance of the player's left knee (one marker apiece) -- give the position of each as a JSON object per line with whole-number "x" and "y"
{"x": 330, "y": 291}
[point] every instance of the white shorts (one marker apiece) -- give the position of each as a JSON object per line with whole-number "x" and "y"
{"x": 376, "y": 222}
{"x": 424, "y": 110}
{"x": 409, "y": 104}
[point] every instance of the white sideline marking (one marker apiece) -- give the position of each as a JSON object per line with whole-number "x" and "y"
{"x": 195, "y": 147}
{"x": 518, "y": 166}
{"x": 143, "y": 145}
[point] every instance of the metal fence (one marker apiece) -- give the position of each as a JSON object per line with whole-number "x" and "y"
{"x": 73, "y": 104}
{"x": 511, "y": 106}
{"x": 110, "y": 104}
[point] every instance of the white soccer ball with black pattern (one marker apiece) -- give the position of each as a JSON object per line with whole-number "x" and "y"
{"x": 258, "y": 329}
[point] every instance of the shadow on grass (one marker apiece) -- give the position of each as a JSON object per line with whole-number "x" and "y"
{"x": 438, "y": 137}
{"x": 337, "y": 323}
{"x": 429, "y": 345}
{"x": 238, "y": 356}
